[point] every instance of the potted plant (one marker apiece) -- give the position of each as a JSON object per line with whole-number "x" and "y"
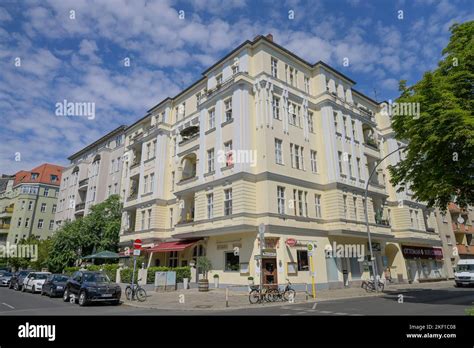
{"x": 203, "y": 265}
{"x": 216, "y": 281}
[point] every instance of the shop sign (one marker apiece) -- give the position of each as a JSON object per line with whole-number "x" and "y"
{"x": 269, "y": 253}
{"x": 412, "y": 252}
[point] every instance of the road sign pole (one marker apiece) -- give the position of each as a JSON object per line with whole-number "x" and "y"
{"x": 310, "y": 248}
{"x": 133, "y": 274}
{"x": 261, "y": 230}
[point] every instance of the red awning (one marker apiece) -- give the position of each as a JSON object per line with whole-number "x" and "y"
{"x": 172, "y": 246}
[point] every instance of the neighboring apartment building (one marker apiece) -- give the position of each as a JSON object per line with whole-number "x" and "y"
{"x": 456, "y": 230}
{"x": 265, "y": 137}
{"x": 93, "y": 175}
{"x": 28, "y": 203}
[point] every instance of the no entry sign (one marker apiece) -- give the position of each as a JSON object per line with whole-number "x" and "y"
{"x": 137, "y": 244}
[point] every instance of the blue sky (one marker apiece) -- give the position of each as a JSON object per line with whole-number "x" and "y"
{"x": 82, "y": 59}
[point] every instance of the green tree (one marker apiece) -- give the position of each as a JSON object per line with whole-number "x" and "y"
{"x": 97, "y": 231}
{"x": 439, "y": 163}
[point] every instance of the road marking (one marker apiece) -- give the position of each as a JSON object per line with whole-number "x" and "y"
{"x": 339, "y": 313}
{"x": 284, "y": 315}
{"x": 311, "y": 310}
{"x": 326, "y": 312}
{"x": 299, "y": 313}
{"x": 6, "y": 304}
{"x": 314, "y": 306}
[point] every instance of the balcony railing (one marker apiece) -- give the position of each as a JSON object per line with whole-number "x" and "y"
{"x": 84, "y": 182}
{"x": 371, "y": 143}
{"x": 80, "y": 206}
{"x": 4, "y": 226}
{"x": 462, "y": 228}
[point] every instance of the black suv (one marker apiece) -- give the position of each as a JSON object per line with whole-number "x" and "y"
{"x": 87, "y": 286}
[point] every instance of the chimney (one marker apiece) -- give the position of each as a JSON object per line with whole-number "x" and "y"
{"x": 270, "y": 37}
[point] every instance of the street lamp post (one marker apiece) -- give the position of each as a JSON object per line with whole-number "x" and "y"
{"x": 374, "y": 264}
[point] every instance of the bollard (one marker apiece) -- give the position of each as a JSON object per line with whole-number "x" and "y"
{"x": 227, "y": 297}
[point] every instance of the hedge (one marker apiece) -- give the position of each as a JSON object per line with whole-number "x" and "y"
{"x": 109, "y": 269}
{"x": 181, "y": 273}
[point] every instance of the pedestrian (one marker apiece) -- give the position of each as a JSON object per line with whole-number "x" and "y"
{"x": 388, "y": 275}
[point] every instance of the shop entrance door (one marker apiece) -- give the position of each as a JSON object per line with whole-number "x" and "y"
{"x": 270, "y": 275}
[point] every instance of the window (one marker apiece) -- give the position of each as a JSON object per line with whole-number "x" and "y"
{"x": 27, "y": 222}
{"x": 302, "y": 256}
{"x": 23, "y": 205}
{"x": 235, "y": 69}
{"x": 145, "y": 184}
{"x": 198, "y": 98}
{"x": 51, "y": 224}
{"x": 34, "y": 176}
{"x": 344, "y": 124}
{"x": 46, "y": 191}
{"x": 336, "y": 126}
{"x": 281, "y": 199}
{"x": 118, "y": 140}
{"x": 291, "y": 76}
{"x": 276, "y": 107}
{"x": 149, "y": 218}
{"x": 172, "y": 180}
{"x": 43, "y": 207}
{"x": 416, "y": 220}
{"x": 210, "y": 160}
{"x": 171, "y": 217}
{"x": 173, "y": 259}
{"x": 53, "y": 210}
{"x": 278, "y": 151}
{"x": 358, "y": 167}
{"x": 210, "y": 205}
{"x": 228, "y": 153}
{"x": 219, "y": 79}
{"x": 228, "y": 202}
{"x": 232, "y": 262}
{"x": 112, "y": 165}
{"x": 339, "y": 159}
{"x": 19, "y": 222}
{"x": 274, "y": 67}
{"x": 353, "y": 130}
{"x": 143, "y": 220}
{"x": 228, "y": 109}
{"x": 344, "y": 205}
{"x": 310, "y": 122}
{"x": 314, "y": 163}
{"x": 317, "y": 205}
{"x": 109, "y": 190}
{"x": 116, "y": 188}
{"x": 148, "y": 151}
{"x": 30, "y": 205}
{"x": 412, "y": 223}
{"x": 300, "y": 203}
{"x": 351, "y": 173}
{"x": 293, "y": 111}
{"x": 297, "y": 156}
{"x": 211, "y": 114}
{"x": 354, "y": 199}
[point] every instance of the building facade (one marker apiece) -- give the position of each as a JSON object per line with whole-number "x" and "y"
{"x": 28, "y": 203}
{"x": 94, "y": 173}
{"x": 266, "y": 138}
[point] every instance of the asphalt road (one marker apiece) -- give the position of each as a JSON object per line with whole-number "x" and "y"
{"x": 438, "y": 301}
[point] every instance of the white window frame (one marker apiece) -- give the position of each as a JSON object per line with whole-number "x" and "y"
{"x": 228, "y": 202}
{"x": 278, "y": 151}
{"x": 281, "y": 199}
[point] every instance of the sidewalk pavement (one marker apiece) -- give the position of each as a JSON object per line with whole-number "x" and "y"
{"x": 215, "y": 299}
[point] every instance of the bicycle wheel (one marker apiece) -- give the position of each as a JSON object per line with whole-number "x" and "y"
{"x": 289, "y": 294}
{"x": 141, "y": 294}
{"x": 128, "y": 293}
{"x": 254, "y": 296}
{"x": 271, "y": 295}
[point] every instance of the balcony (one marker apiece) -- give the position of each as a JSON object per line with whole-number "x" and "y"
{"x": 4, "y": 228}
{"x": 83, "y": 183}
{"x": 8, "y": 211}
{"x": 465, "y": 249}
{"x": 462, "y": 228}
{"x": 80, "y": 207}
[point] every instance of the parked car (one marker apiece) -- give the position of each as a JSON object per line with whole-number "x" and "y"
{"x": 5, "y": 278}
{"x": 34, "y": 281}
{"x": 464, "y": 274}
{"x": 54, "y": 285}
{"x": 16, "y": 282}
{"x": 87, "y": 286}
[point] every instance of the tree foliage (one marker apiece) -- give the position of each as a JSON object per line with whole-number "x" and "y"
{"x": 97, "y": 231}
{"x": 439, "y": 163}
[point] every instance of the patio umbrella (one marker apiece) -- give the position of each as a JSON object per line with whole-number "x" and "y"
{"x": 102, "y": 255}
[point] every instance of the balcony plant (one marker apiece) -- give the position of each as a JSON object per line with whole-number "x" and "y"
{"x": 203, "y": 265}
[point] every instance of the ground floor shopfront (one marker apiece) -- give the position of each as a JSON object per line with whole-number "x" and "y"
{"x": 337, "y": 261}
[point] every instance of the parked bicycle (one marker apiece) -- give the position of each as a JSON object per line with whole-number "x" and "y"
{"x": 286, "y": 294}
{"x": 256, "y": 297}
{"x": 369, "y": 285}
{"x": 135, "y": 291}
